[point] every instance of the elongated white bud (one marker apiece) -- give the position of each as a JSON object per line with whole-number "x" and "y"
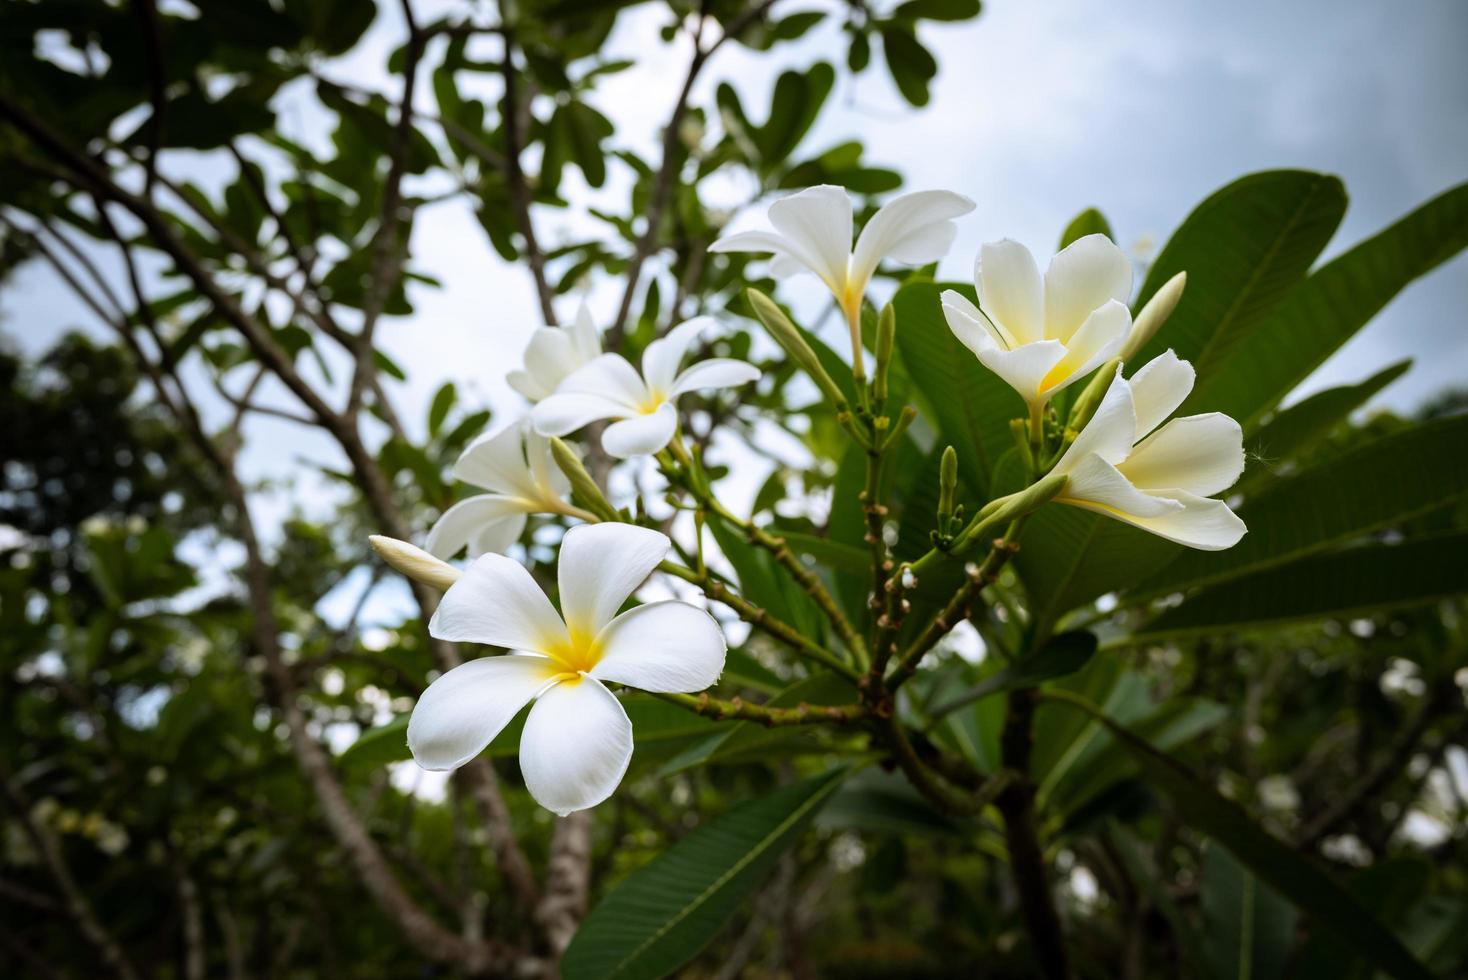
{"x": 1154, "y": 315}
{"x": 415, "y": 563}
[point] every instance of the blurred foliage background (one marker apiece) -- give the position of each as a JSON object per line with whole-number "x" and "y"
{"x": 188, "y": 789}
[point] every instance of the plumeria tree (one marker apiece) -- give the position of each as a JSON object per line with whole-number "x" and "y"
{"x": 1036, "y": 590}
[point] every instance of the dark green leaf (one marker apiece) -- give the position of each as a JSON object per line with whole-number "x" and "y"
{"x": 1337, "y": 584}
{"x": 1243, "y": 249}
{"x": 1277, "y": 864}
{"x": 663, "y": 914}
{"x": 1088, "y": 222}
{"x": 1327, "y": 309}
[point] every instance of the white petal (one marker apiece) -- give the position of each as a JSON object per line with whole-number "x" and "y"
{"x": 562, "y": 414}
{"x": 585, "y": 337}
{"x": 913, "y": 229}
{"x": 601, "y": 565}
{"x": 1201, "y": 523}
{"x": 817, "y": 221}
{"x": 1087, "y": 272}
{"x": 497, "y": 463}
{"x": 716, "y": 372}
{"x": 1009, "y": 290}
{"x": 1096, "y": 342}
{"x": 550, "y": 357}
{"x": 662, "y": 646}
{"x": 467, "y": 520}
{"x": 1097, "y": 485}
{"x": 1159, "y": 388}
{"x": 496, "y": 601}
{"x": 1108, "y": 434}
{"x": 1024, "y": 367}
{"x": 969, "y": 324}
{"x": 522, "y": 381}
{"x": 641, "y": 435}
{"x": 609, "y": 376}
{"x": 496, "y": 537}
{"x": 467, "y": 707}
{"x": 1202, "y": 454}
{"x": 576, "y": 746}
{"x": 661, "y": 358}
{"x": 548, "y": 478}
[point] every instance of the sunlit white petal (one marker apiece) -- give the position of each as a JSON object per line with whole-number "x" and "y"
{"x": 576, "y": 745}
{"x": 496, "y": 602}
{"x": 601, "y": 565}
{"x": 1201, "y": 523}
{"x": 818, "y": 221}
{"x": 661, "y": 358}
{"x": 1096, "y": 342}
{"x": 498, "y": 463}
{"x": 716, "y": 372}
{"x": 662, "y": 646}
{"x": 913, "y": 229}
{"x": 1082, "y": 277}
{"x": 1096, "y": 484}
{"x": 563, "y": 414}
{"x": 1109, "y": 433}
{"x": 467, "y": 707}
{"x": 466, "y": 520}
{"x": 611, "y": 377}
{"x": 1009, "y": 288}
{"x": 1158, "y": 389}
{"x": 1202, "y": 454}
{"x": 641, "y": 435}
{"x": 1025, "y": 368}
{"x": 969, "y": 324}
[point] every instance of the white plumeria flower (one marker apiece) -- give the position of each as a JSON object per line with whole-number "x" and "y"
{"x": 610, "y": 388}
{"x": 1039, "y": 336}
{"x": 1158, "y": 481}
{"x": 516, "y": 467}
{"x": 813, "y": 234}
{"x": 577, "y": 740}
{"x": 553, "y": 353}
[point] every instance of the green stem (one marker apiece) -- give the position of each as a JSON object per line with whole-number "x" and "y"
{"x": 761, "y": 619}
{"x": 800, "y": 714}
{"x": 957, "y": 608}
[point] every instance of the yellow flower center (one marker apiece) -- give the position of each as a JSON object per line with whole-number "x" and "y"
{"x": 655, "y": 400}
{"x": 580, "y": 653}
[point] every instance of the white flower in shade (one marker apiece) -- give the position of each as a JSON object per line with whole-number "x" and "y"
{"x": 813, "y": 234}
{"x": 1158, "y": 481}
{"x": 1041, "y": 335}
{"x": 516, "y": 467}
{"x": 577, "y": 740}
{"x": 643, "y": 405}
{"x": 553, "y": 353}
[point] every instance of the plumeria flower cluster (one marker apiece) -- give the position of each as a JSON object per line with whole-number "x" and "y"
{"x": 516, "y": 468}
{"x": 1038, "y": 333}
{"x": 577, "y": 740}
{"x": 1158, "y": 479}
{"x": 812, "y": 233}
{"x": 643, "y": 406}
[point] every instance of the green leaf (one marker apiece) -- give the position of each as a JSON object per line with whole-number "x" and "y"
{"x": 1244, "y": 249}
{"x": 950, "y": 10}
{"x": 587, "y": 128}
{"x": 1064, "y": 653}
{"x": 663, "y": 914}
{"x": 1276, "y": 864}
{"x": 443, "y": 400}
{"x": 1386, "y": 481}
{"x": 1248, "y": 929}
{"x": 884, "y": 803}
{"x": 969, "y": 404}
{"x": 376, "y": 747}
{"x": 1327, "y": 309}
{"x": 1295, "y": 428}
{"x": 794, "y": 105}
{"x": 1088, "y": 222}
{"x": 912, "y": 65}
{"x": 1337, "y": 584}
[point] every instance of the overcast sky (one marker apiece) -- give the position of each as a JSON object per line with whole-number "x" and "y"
{"x": 1141, "y": 108}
